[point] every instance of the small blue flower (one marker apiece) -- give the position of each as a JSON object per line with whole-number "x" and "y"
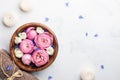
{"x": 9, "y": 67}
{"x": 80, "y": 17}
{"x": 49, "y": 77}
{"x": 86, "y": 34}
{"x": 24, "y": 30}
{"x": 96, "y": 35}
{"x": 53, "y": 46}
{"x": 67, "y": 4}
{"x": 102, "y": 66}
{"x": 33, "y": 42}
{"x": 33, "y": 65}
{"x": 45, "y": 30}
{"x": 37, "y": 48}
{"x": 46, "y": 19}
{"x": 16, "y": 46}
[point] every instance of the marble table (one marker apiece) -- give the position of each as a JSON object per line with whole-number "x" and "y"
{"x": 88, "y": 33}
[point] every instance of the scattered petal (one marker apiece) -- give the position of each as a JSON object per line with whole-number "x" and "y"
{"x": 46, "y": 19}
{"x": 53, "y": 46}
{"x": 96, "y": 35}
{"x": 16, "y": 46}
{"x": 67, "y": 4}
{"x": 80, "y": 17}
{"x": 102, "y": 66}
{"x": 36, "y": 48}
{"x": 32, "y": 64}
{"x": 49, "y": 77}
{"x": 45, "y": 30}
{"x": 86, "y": 34}
{"x": 9, "y": 67}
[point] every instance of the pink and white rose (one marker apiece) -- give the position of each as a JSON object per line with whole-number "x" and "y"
{"x": 26, "y": 46}
{"x": 44, "y": 40}
{"x": 40, "y": 57}
{"x": 31, "y": 33}
{"x": 27, "y": 59}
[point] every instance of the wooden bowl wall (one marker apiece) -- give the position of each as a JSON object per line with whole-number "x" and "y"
{"x": 19, "y": 62}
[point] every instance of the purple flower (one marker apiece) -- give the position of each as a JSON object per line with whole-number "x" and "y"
{"x": 102, "y": 66}
{"x": 16, "y": 46}
{"x": 80, "y": 17}
{"x": 46, "y": 19}
{"x": 96, "y": 35}
{"x": 49, "y": 77}
{"x": 86, "y": 34}
{"x": 9, "y": 67}
{"x": 53, "y": 46}
{"x": 32, "y": 64}
{"x": 67, "y": 4}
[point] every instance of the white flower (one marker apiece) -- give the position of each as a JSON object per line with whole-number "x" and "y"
{"x": 39, "y": 30}
{"x": 22, "y": 35}
{"x": 18, "y": 53}
{"x": 50, "y": 50}
{"x": 17, "y": 40}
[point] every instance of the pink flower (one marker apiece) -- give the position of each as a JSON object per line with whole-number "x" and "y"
{"x": 40, "y": 57}
{"x": 44, "y": 40}
{"x": 29, "y": 29}
{"x": 27, "y": 59}
{"x": 31, "y": 33}
{"x": 26, "y": 46}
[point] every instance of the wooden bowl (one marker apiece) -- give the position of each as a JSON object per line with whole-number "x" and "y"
{"x": 19, "y": 62}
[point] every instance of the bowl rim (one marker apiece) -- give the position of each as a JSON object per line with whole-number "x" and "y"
{"x": 17, "y": 60}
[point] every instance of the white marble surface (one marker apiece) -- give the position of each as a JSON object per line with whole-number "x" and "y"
{"x": 76, "y": 50}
